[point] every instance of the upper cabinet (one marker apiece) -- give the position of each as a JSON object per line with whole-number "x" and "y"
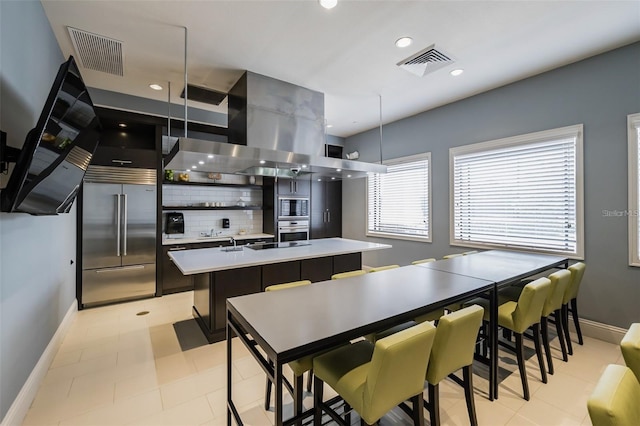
{"x": 294, "y": 187}
{"x": 326, "y": 209}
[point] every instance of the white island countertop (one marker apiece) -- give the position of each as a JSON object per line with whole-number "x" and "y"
{"x": 198, "y": 261}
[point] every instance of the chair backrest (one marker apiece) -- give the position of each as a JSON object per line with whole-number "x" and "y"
{"x": 577, "y": 272}
{"x": 630, "y": 347}
{"x": 454, "y": 343}
{"x": 614, "y": 401}
{"x": 560, "y": 280}
{"x": 466, "y": 253}
{"x": 285, "y": 286}
{"x": 383, "y": 268}
{"x": 449, "y": 256}
{"x": 348, "y": 274}
{"x": 397, "y": 370}
{"x": 417, "y": 262}
{"x": 530, "y": 304}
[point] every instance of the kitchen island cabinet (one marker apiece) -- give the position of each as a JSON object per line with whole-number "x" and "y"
{"x": 218, "y": 275}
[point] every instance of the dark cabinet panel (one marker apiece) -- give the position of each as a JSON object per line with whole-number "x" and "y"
{"x": 347, "y": 262}
{"x": 125, "y": 157}
{"x": 294, "y": 187}
{"x": 202, "y": 300}
{"x": 315, "y": 270}
{"x": 279, "y": 273}
{"x": 172, "y": 279}
{"x": 232, "y": 283}
{"x": 326, "y": 209}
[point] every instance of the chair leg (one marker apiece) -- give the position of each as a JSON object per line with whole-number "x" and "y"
{"x": 418, "y": 409}
{"x": 309, "y": 380}
{"x": 565, "y": 326}
{"x": 318, "y": 386}
{"x": 560, "y": 332}
{"x": 521, "y": 366}
{"x": 545, "y": 342}
{"x": 267, "y": 391}
{"x": 536, "y": 341}
{"x": 434, "y": 404}
{"x": 347, "y": 415}
{"x": 467, "y": 376}
{"x": 574, "y": 314}
{"x": 298, "y": 386}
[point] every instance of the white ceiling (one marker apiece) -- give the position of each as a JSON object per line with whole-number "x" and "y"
{"x": 348, "y": 53}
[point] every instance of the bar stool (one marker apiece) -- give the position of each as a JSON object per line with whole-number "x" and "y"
{"x": 373, "y": 379}
{"x": 348, "y": 274}
{"x": 417, "y": 262}
{"x": 570, "y": 303}
{"x": 614, "y": 401}
{"x": 630, "y": 347}
{"x": 299, "y": 366}
{"x": 467, "y": 253}
{"x": 451, "y": 256}
{"x": 383, "y": 268}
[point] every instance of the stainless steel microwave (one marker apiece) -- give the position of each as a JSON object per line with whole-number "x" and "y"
{"x": 293, "y": 208}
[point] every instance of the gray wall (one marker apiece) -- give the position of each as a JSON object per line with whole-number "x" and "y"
{"x": 599, "y": 92}
{"x": 37, "y": 282}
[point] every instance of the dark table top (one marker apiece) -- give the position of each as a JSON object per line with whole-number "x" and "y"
{"x": 292, "y": 323}
{"x": 499, "y": 266}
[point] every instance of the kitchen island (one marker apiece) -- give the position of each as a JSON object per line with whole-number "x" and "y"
{"x": 220, "y": 274}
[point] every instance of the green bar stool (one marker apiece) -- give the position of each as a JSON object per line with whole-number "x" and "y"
{"x": 373, "y": 379}
{"x": 451, "y": 256}
{"x": 615, "y": 399}
{"x": 348, "y": 274}
{"x": 417, "y": 262}
{"x": 383, "y": 268}
{"x": 570, "y": 303}
{"x": 452, "y": 350}
{"x": 299, "y": 366}
{"x": 630, "y": 347}
{"x": 467, "y": 253}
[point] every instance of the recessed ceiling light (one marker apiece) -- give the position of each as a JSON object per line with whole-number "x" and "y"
{"x": 319, "y": 180}
{"x": 155, "y": 86}
{"x": 200, "y": 162}
{"x": 123, "y": 125}
{"x": 338, "y": 170}
{"x": 348, "y": 176}
{"x": 209, "y": 156}
{"x": 329, "y": 126}
{"x": 194, "y": 167}
{"x": 404, "y": 41}
{"x": 456, "y": 73}
{"x": 328, "y": 4}
{"x": 304, "y": 166}
{"x": 333, "y": 178}
{"x": 262, "y": 161}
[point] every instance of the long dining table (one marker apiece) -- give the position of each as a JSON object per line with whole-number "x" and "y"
{"x": 288, "y": 325}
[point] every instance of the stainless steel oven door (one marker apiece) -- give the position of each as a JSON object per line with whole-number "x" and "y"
{"x": 290, "y": 208}
{"x": 293, "y": 230}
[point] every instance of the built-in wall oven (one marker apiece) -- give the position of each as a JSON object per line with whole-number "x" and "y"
{"x": 293, "y": 208}
{"x": 293, "y": 230}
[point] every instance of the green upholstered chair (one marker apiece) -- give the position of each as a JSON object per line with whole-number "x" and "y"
{"x": 373, "y": 379}
{"x": 560, "y": 280}
{"x": 383, "y": 268}
{"x": 570, "y": 303}
{"x": 452, "y": 350}
{"x": 299, "y": 366}
{"x": 630, "y": 347}
{"x": 417, "y": 262}
{"x": 614, "y": 401}
{"x": 466, "y": 253}
{"x": 348, "y": 274}
{"x": 450, "y": 256}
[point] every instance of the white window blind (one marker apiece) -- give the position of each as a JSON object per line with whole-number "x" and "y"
{"x": 398, "y": 204}
{"x": 522, "y": 192}
{"x": 634, "y": 189}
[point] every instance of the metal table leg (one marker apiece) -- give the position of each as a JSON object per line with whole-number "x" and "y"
{"x": 493, "y": 370}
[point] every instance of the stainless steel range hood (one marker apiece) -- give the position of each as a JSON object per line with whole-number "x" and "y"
{"x": 275, "y": 129}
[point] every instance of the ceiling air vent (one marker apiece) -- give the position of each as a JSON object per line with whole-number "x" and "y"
{"x": 97, "y": 52}
{"x": 425, "y": 61}
{"x": 202, "y": 94}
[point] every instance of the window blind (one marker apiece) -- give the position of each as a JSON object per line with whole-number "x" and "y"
{"x": 522, "y": 195}
{"x": 398, "y": 201}
{"x": 634, "y": 189}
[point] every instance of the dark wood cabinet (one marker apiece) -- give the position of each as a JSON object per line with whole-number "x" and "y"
{"x": 294, "y": 187}
{"x": 318, "y": 269}
{"x": 278, "y": 273}
{"x": 326, "y": 209}
{"x": 232, "y": 283}
{"x": 347, "y": 262}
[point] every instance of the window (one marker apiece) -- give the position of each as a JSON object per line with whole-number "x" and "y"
{"x": 634, "y": 189}
{"x": 398, "y": 202}
{"x": 523, "y": 192}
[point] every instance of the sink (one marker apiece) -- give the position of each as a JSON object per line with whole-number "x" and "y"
{"x": 238, "y": 248}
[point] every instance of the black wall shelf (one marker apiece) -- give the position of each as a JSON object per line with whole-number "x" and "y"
{"x": 228, "y": 185}
{"x": 211, "y": 208}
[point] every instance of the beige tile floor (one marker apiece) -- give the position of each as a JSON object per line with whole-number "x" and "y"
{"x": 117, "y": 368}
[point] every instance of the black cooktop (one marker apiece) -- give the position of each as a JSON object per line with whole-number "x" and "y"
{"x": 264, "y": 246}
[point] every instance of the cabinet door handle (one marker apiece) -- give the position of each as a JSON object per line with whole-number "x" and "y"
{"x": 177, "y": 248}
{"x": 328, "y": 216}
{"x": 118, "y": 223}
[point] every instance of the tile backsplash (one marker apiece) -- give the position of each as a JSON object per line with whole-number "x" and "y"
{"x": 197, "y": 221}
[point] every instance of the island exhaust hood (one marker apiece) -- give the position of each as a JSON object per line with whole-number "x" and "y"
{"x": 275, "y": 129}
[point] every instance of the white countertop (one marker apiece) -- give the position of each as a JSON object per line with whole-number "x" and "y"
{"x": 198, "y": 261}
{"x": 171, "y": 241}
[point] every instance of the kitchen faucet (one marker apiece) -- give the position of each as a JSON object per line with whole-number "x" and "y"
{"x": 233, "y": 240}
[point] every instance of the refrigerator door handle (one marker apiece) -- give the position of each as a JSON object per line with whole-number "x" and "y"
{"x": 124, "y": 242}
{"x": 119, "y": 268}
{"x": 118, "y": 218}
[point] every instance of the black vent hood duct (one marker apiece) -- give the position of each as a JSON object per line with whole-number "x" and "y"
{"x": 275, "y": 129}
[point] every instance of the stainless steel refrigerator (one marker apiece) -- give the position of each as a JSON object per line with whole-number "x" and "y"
{"x": 118, "y": 234}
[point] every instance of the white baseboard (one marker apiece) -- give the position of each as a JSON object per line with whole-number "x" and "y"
{"x": 600, "y": 331}
{"x": 20, "y": 406}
